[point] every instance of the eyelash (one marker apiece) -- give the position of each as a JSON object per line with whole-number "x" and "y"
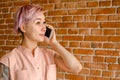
{"x": 40, "y": 22}
{"x": 44, "y": 22}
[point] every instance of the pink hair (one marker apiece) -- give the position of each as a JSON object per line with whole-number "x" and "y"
{"x": 25, "y": 14}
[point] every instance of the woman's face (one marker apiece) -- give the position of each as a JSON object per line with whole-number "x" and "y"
{"x": 35, "y": 29}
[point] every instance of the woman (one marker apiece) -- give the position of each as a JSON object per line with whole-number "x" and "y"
{"x": 30, "y": 62}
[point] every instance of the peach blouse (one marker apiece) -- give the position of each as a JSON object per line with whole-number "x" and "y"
{"x": 24, "y": 66}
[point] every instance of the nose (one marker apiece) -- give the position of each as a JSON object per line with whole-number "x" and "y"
{"x": 43, "y": 28}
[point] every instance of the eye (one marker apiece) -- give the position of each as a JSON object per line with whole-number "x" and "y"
{"x": 38, "y": 22}
{"x": 44, "y": 22}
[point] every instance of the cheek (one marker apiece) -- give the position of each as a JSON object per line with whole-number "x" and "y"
{"x": 38, "y": 28}
{"x": 30, "y": 31}
{"x": 34, "y": 29}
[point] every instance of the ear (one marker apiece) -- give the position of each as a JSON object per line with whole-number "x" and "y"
{"x": 22, "y": 28}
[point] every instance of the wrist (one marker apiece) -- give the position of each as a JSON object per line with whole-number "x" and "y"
{"x": 54, "y": 44}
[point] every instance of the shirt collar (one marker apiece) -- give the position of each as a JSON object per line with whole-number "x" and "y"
{"x": 27, "y": 51}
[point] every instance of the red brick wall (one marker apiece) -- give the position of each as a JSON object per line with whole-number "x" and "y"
{"x": 90, "y": 29}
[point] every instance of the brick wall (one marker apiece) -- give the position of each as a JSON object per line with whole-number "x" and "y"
{"x": 90, "y": 29}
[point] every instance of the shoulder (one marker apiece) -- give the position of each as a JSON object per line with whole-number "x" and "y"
{"x": 9, "y": 57}
{"x": 10, "y": 54}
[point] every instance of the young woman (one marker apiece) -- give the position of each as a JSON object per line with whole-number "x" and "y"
{"x": 30, "y": 62}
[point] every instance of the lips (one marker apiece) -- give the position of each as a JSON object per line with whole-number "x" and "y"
{"x": 41, "y": 34}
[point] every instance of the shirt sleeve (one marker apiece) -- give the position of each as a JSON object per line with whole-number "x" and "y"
{"x": 4, "y": 72}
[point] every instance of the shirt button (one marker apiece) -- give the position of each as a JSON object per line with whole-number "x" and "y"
{"x": 37, "y": 67}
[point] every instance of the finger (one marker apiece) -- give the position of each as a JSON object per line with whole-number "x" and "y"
{"x": 49, "y": 26}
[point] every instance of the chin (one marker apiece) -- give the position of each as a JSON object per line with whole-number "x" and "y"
{"x": 40, "y": 40}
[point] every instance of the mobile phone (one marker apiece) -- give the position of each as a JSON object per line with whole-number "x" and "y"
{"x": 48, "y": 32}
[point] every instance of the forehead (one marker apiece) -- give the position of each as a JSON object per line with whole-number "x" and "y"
{"x": 39, "y": 16}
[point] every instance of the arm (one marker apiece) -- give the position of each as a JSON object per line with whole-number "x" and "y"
{"x": 4, "y": 72}
{"x": 64, "y": 59}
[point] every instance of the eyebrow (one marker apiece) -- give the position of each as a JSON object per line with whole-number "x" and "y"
{"x": 38, "y": 19}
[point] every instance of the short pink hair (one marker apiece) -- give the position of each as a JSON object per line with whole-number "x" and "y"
{"x": 26, "y": 13}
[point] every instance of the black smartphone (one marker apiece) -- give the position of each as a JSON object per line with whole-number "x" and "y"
{"x": 48, "y": 32}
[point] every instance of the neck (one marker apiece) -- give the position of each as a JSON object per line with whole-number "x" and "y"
{"x": 29, "y": 44}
